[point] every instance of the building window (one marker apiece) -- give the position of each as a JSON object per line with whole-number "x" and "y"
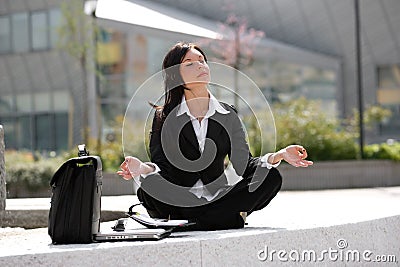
{"x": 9, "y": 132}
{"x": 55, "y": 21}
{"x": 20, "y": 32}
{"x": 388, "y": 95}
{"x": 39, "y": 30}
{"x": 44, "y": 132}
{"x": 6, "y": 103}
{"x": 24, "y": 32}
{"x": 23, "y": 132}
{"x": 61, "y": 130}
{"x": 5, "y": 44}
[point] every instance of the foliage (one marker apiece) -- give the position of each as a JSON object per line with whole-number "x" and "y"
{"x": 237, "y": 47}
{"x": 73, "y": 32}
{"x": 303, "y": 122}
{"x": 77, "y": 33}
{"x": 253, "y": 135}
{"x": 383, "y": 151}
{"x": 111, "y": 151}
{"x": 34, "y": 171}
{"x": 261, "y": 141}
{"x": 372, "y": 114}
{"x": 297, "y": 122}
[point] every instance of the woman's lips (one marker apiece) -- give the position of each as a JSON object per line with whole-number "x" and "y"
{"x": 202, "y": 74}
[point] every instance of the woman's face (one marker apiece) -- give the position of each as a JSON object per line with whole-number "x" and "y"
{"x": 194, "y": 69}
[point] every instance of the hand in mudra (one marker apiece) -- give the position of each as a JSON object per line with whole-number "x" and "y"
{"x": 295, "y": 155}
{"x": 132, "y": 167}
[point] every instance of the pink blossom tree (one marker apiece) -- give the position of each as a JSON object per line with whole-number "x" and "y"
{"x": 236, "y": 48}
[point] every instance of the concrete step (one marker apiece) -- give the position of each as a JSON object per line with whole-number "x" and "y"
{"x": 332, "y": 227}
{"x": 353, "y": 244}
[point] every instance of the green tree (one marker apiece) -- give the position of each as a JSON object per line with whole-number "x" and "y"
{"x": 77, "y": 35}
{"x": 237, "y": 46}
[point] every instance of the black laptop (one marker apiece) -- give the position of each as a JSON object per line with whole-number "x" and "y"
{"x": 124, "y": 230}
{"x": 132, "y": 234}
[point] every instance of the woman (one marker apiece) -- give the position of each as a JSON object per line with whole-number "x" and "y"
{"x": 192, "y": 133}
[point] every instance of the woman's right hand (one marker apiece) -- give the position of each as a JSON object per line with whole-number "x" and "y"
{"x": 132, "y": 167}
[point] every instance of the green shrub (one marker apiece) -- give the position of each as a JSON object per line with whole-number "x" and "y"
{"x": 23, "y": 168}
{"x": 112, "y": 152}
{"x": 303, "y": 122}
{"x": 109, "y": 152}
{"x": 383, "y": 151}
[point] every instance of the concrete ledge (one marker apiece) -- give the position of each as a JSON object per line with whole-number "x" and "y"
{"x": 247, "y": 247}
{"x": 30, "y": 219}
{"x": 366, "y": 219}
{"x": 341, "y": 174}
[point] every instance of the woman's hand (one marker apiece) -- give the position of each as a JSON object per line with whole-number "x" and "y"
{"x": 294, "y": 155}
{"x": 132, "y": 167}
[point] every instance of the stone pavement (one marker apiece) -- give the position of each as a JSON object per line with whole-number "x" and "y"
{"x": 367, "y": 219}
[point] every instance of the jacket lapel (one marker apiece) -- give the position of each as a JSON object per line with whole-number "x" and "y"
{"x": 216, "y": 123}
{"x": 187, "y": 131}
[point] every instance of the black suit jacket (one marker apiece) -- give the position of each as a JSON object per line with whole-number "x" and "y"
{"x": 175, "y": 149}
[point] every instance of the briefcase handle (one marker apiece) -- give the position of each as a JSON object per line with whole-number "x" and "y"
{"x": 82, "y": 150}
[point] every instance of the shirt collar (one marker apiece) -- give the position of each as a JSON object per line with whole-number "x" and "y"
{"x": 213, "y": 106}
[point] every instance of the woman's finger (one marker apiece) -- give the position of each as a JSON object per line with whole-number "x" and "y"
{"x": 122, "y": 165}
{"x": 124, "y": 175}
{"x": 306, "y": 163}
{"x": 125, "y": 169}
{"x": 304, "y": 153}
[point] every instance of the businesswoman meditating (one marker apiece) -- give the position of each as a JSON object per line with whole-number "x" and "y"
{"x": 192, "y": 133}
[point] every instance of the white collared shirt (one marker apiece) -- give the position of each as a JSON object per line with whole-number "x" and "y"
{"x": 200, "y": 129}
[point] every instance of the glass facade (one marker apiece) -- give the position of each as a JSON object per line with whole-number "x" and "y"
{"x": 388, "y": 95}
{"x": 39, "y": 30}
{"x": 33, "y": 118}
{"x": 41, "y": 119}
{"x": 5, "y": 33}
{"x": 287, "y": 81}
{"x": 278, "y": 80}
{"x": 29, "y": 31}
{"x": 20, "y": 32}
{"x": 54, "y": 22}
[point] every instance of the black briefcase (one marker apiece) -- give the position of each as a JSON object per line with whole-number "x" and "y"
{"x": 74, "y": 215}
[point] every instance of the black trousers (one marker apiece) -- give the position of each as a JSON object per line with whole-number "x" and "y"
{"x": 219, "y": 214}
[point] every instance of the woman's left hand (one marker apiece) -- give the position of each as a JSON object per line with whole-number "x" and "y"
{"x": 295, "y": 155}
{"x": 132, "y": 167}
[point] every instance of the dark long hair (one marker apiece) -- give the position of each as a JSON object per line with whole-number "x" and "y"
{"x": 174, "y": 85}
